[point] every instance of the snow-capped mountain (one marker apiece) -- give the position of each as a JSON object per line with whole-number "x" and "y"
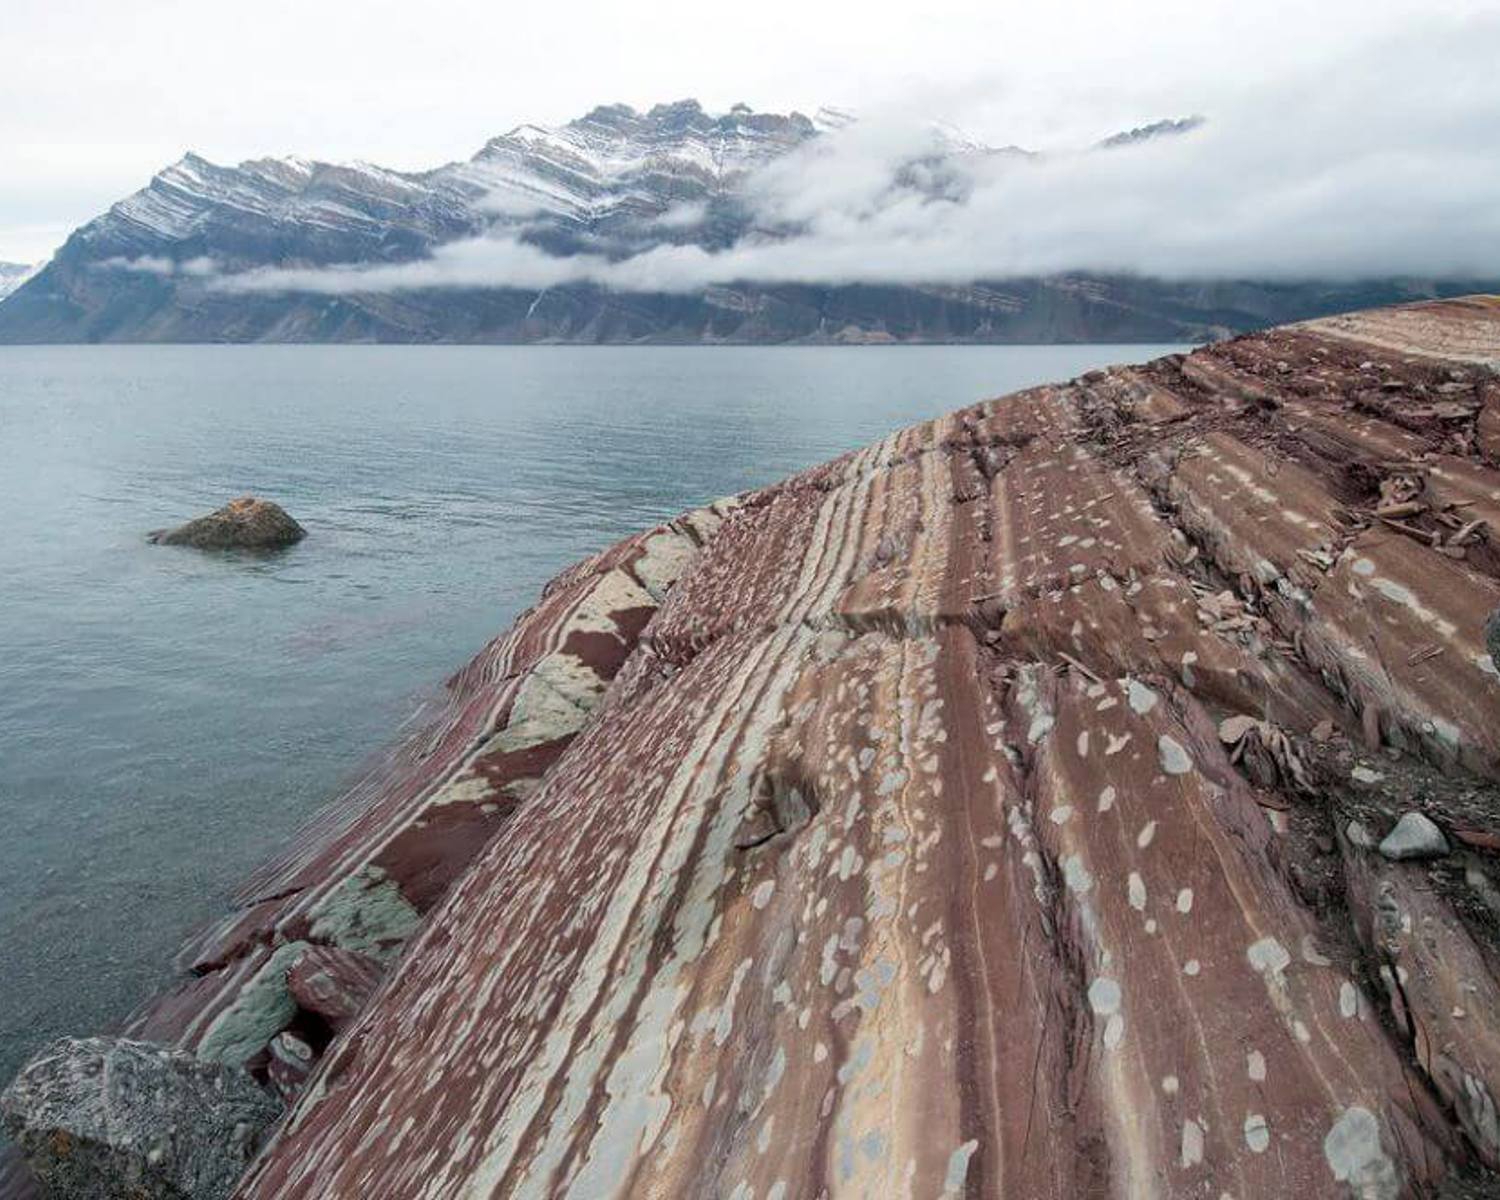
{"x": 607, "y": 174}
{"x": 12, "y": 276}
{"x": 613, "y": 182}
{"x": 617, "y": 166}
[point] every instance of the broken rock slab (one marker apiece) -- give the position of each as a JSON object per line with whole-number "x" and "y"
{"x": 333, "y": 983}
{"x": 1414, "y": 836}
{"x": 112, "y": 1119}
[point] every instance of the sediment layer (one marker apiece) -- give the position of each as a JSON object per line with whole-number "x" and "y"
{"x": 990, "y": 812}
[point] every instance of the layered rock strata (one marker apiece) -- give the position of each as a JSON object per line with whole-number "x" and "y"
{"x": 994, "y": 811}
{"x": 316, "y": 929}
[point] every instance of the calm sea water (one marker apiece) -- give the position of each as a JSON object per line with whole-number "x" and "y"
{"x": 169, "y": 718}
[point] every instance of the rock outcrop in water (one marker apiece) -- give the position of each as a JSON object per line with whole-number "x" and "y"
{"x": 248, "y": 523}
{"x": 995, "y": 811}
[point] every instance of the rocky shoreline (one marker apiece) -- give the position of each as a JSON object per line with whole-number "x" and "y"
{"x": 1003, "y": 809}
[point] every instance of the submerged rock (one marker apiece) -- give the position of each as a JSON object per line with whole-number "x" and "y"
{"x": 248, "y": 523}
{"x": 111, "y": 1119}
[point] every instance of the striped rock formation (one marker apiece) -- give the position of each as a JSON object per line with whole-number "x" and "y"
{"x": 991, "y": 812}
{"x": 317, "y": 928}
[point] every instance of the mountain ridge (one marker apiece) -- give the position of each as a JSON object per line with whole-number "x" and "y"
{"x": 612, "y": 183}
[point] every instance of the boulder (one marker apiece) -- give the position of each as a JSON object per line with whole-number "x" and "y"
{"x": 248, "y": 523}
{"x": 1414, "y": 836}
{"x": 112, "y": 1119}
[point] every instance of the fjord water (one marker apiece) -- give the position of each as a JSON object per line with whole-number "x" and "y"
{"x": 168, "y": 718}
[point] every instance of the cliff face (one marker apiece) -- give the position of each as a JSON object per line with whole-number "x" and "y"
{"x": 993, "y": 811}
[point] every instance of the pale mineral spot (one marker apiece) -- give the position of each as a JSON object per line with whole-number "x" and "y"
{"x": 1192, "y": 1144}
{"x": 1348, "y": 1000}
{"x": 1175, "y": 760}
{"x": 1355, "y": 1155}
{"x": 1076, "y": 875}
{"x": 1104, "y": 995}
{"x": 1142, "y": 699}
{"x": 1268, "y": 956}
{"x": 958, "y": 1168}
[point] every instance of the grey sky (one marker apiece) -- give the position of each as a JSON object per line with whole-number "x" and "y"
{"x": 96, "y": 95}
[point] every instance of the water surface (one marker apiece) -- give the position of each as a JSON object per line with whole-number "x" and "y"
{"x": 168, "y": 718}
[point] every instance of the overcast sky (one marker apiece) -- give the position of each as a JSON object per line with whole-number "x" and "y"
{"x": 96, "y": 95}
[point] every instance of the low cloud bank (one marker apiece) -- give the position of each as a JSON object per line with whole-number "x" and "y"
{"x": 151, "y": 264}
{"x": 1383, "y": 162}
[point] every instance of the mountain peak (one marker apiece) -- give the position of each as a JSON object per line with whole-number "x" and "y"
{"x": 676, "y": 109}
{"x": 1171, "y": 127}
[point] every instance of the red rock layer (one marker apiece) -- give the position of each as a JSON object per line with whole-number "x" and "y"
{"x": 317, "y": 928}
{"x": 989, "y": 813}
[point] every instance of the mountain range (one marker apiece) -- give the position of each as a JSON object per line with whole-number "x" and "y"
{"x": 612, "y": 183}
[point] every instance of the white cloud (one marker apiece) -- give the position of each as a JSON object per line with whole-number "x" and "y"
{"x": 202, "y": 267}
{"x": 1377, "y": 161}
{"x": 96, "y": 95}
{"x": 146, "y": 264}
{"x": 682, "y": 216}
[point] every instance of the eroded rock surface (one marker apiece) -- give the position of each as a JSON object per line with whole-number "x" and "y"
{"x": 109, "y": 1119}
{"x": 991, "y": 812}
{"x": 968, "y": 822}
{"x": 317, "y": 928}
{"x": 248, "y": 523}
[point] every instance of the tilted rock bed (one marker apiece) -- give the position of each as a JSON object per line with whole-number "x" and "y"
{"x": 994, "y": 811}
